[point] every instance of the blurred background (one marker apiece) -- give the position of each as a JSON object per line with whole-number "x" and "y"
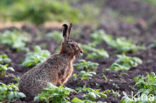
{"x": 80, "y": 12}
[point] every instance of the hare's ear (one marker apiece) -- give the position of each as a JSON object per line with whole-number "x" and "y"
{"x": 65, "y": 30}
{"x": 70, "y": 26}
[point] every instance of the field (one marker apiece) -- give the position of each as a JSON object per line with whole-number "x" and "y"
{"x": 118, "y": 38}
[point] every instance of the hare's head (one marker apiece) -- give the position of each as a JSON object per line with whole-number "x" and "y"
{"x": 69, "y": 47}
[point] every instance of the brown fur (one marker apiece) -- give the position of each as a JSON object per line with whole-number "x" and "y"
{"x": 57, "y": 69}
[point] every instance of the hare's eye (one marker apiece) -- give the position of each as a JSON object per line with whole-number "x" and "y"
{"x": 72, "y": 45}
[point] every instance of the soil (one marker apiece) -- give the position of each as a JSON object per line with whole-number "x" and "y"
{"x": 117, "y": 80}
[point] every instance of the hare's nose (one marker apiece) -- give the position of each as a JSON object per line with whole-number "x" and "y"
{"x": 81, "y": 51}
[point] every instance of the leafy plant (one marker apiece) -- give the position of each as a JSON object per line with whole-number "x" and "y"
{"x": 120, "y": 44}
{"x": 147, "y": 91}
{"x": 9, "y": 92}
{"x": 146, "y": 84}
{"x": 86, "y": 64}
{"x": 93, "y": 53}
{"x": 4, "y": 59}
{"x": 91, "y": 93}
{"x": 36, "y": 57}
{"x": 86, "y": 75}
{"x": 135, "y": 98}
{"x": 55, "y": 35}
{"x": 54, "y": 94}
{"x": 77, "y": 100}
{"x": 4, "y": 68}
{"x": 153, "y": 45}
{"x": 125, "y": 63}
{"x": 41, "y": 11}
{"x": 14, "y": 40}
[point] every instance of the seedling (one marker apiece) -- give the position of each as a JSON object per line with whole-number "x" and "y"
{"x": 91, "y": 93}
{"x": 86, "y": 64}
{"x": 86, "y": 75}
{"x": 14, "y": 40}
{"x": 153, "y": 45}
{"x": 125, "y": 63}
{"x": 146, "y": 84}
{"x": 135, "y": 98}
{"x": 93, "y": 53}
{"x": 55, "y": 35}
{"x": 77, "y": 100}
{"x": 54, "y": 94}
{"x": 147, "y": 91}
{"x": 9, "y": 92}
{"x": 4, "y": 68}
{"x": 4, "y": 59}
{"x": 120, "y": 44}
{"x": 36, "y": 57}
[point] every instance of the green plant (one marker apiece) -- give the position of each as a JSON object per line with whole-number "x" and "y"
{"x": 93, "y": 53}
{"x": 86, "y": 75}
{"x": 91, "y": 93}
{"x": 13, "y": 39}
{"x": 125, "y": 63}
{"x": 153, "y": 45}
{"x": 55, "y": 35}
{"x": 77, "y": 100}
{"x": 4, "y": 59}
{"x": 41, "y": 11}
{"x": 4, "y": 68}
{"x": 135, "y": 98}
{"x": 146, "y": 84}
{"x": 36, "y": 57}
{"x": 120, "y": 44}
{"x": 54, "y": 94}
{"x": 86, "y": 64}
{"x": 9, "y": 92}
{"x": 147, "y": 91}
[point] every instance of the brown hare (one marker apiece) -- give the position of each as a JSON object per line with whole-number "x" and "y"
{"x": 57, "y": 69}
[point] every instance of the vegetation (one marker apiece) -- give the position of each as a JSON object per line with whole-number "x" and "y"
{"x": 146, "y": 84}
{"x": 13, "y": 39}
{"x": 147, "y": 91}
{"x": 36, "y": 57}
{"x": 55, "y": 35}
{"x": 4, "y": 60}
{"x": 92, "y": 94}
{"x": 9, "y": 92}
{"x": 86, "y": 64}
{"x": 54, "y": 94}
{"x": 125, "y": 63}
{"x": 34, "y": 12}
{"x": 120, "y": 44}
{"x": 93, "y": 53}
